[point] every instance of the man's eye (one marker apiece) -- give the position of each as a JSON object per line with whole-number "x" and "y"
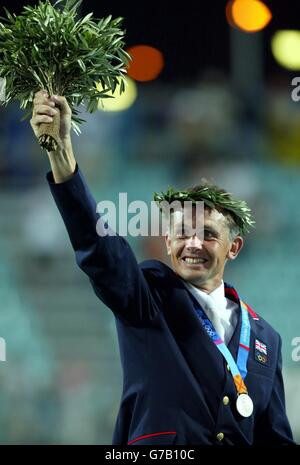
{"x": 208, "y": 234}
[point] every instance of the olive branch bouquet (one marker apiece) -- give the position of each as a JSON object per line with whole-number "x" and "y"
{"x": 47, "y": 47}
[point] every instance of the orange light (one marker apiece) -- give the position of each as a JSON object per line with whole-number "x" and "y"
{"x": 146, "y": 64}
{"x": 249, "y": 15}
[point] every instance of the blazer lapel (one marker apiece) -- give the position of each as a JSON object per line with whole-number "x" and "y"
{"x": 199, "y": 351}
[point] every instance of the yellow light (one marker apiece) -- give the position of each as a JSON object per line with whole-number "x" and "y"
{"x": 285, "y": 47}
{"x": 119, "y": 102}
{"x": 250, "y": 15}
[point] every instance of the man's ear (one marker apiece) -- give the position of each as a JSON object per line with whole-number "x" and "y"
{"x": 168, "y": 242}
{"x": 236, "y": 246}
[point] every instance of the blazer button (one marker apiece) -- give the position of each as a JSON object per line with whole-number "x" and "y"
{"x": 225, "y": 400}
{"x": 220, "y": 436}
{"x": 228, "y": 367}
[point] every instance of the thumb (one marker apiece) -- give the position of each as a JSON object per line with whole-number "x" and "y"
{"x": 61, "y": 103}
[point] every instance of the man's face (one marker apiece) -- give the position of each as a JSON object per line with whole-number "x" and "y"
{"x": 201, "y": 261}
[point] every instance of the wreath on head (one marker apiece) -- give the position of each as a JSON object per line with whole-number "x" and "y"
{"x": 213, "y": 197}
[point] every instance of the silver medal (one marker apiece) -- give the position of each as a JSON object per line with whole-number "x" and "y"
{"x": 244, "y": 405}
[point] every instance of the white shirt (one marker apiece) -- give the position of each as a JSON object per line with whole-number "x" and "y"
{"x": 222, "y": 312}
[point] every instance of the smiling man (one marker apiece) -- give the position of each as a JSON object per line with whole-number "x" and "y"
{"x": 199, "y": 259}
{"x": 202, "y": 262}
{"x": 199, "y": 365}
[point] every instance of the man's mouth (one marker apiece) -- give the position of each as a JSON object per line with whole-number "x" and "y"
{"x": 194, "y": 260}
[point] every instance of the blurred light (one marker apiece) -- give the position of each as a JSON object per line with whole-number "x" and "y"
{"x": 119, "y": 102}
{"x": 147, "y": 63}
{"x": 285, "y": 47}
{"x": 248, "y": 15}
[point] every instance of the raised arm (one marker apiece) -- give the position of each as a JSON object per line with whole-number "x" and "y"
{"x": 108, "y": 260}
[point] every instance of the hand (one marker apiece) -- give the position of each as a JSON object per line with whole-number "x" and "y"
{"x": 44, "y": 109}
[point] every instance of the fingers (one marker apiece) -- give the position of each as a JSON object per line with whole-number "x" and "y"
{"x": 42, "y": 99}
{"x": 41, "y": 119}
{"x": 43, "y": 109}
{"x": 40, "y": 109}
{"x": 62, "y": 104}
{"x": 41, "y": 93}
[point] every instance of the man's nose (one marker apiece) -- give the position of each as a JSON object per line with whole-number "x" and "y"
{"x": 194, "y": 242}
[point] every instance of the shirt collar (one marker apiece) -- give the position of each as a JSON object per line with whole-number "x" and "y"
{"x": 218, "y": 295}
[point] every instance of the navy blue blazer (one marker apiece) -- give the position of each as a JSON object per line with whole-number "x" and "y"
{"x": 177, "y": 388}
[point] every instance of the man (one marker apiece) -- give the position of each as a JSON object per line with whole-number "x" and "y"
{"x": 199, "y": 365}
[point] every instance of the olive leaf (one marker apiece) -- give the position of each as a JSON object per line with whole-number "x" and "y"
{"x": 48, "y": 47}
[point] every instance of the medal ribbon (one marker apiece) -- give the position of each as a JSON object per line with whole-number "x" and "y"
{"x": 239, "y": 369}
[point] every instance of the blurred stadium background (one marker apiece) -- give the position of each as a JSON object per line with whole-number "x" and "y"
{"x": 218, "y": 105}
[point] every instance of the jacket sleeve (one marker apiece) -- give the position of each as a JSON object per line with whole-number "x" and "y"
{"x": 273, "y": 427}
{"x": 107, "y": 260}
